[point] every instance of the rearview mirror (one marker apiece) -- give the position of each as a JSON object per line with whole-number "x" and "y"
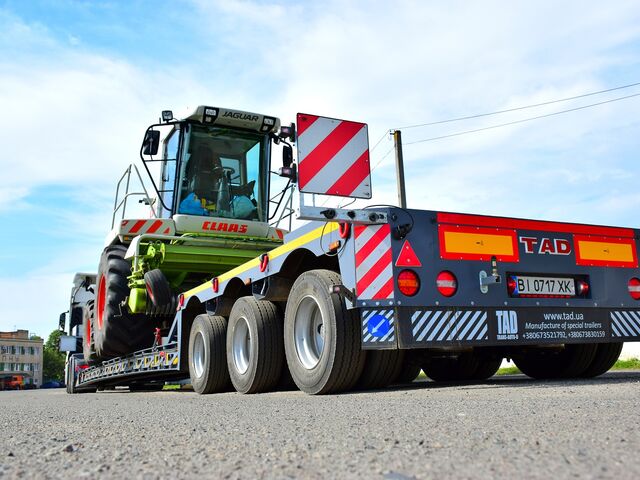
{"x": 287, "y": 155}
{"x": 62, "y": 320}
{"x": 151, "y": 142}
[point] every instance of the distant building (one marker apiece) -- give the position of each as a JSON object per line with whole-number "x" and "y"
{"x": 21, "y": 356}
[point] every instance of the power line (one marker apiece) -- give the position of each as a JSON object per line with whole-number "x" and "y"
{"x": 515, "y": 109}
{"x": 522, "y": 120}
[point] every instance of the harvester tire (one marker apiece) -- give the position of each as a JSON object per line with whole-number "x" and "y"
{"x": 381, "y": 369}
{"x": 158, "y": 288}
{"x": 606, "y": 356}
{"x": 115, "y": 330}
{"x": 321, "y": 336}
{"x": 88, "y": 349}
{"x": 207, "y": 354}
{"x": 571, "y": 362}
{"x": 255, "y": 349}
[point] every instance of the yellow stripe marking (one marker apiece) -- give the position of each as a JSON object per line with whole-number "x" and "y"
{"x": 275, "y": 253}
{"x": 618, "y": 252}
{"x": 478, "y": 243}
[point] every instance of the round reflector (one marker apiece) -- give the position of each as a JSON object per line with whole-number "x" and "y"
{"x": 583, "y": 288}
{"x": 447, "y": 283}
{"x": 408, "y": 282}
{"x": 634, "y": 288}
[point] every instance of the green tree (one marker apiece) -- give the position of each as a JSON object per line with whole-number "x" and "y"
{"x": 53, "y": 359}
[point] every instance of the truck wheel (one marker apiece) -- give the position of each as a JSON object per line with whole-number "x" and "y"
{"x": 88, "y": 349}
{"x": 606, "y": 356}
{"x": 572, "y": 361}
{"x": 487, "y": 368}
{"x": 411, "y": 366}
{"x": 321, "y": 337}
{"x": 452, "y": 369}
{"x": 381, "y": 368}
{"x": 207, "y": 354}
{"x": 115, "y": 331}
{"x": 69, "y": 378}
{"x": 255, "y": 352}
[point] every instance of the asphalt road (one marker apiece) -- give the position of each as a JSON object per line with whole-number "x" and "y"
{"x": 509, "y": 427}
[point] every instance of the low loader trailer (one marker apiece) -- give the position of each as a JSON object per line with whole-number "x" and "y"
{"x": 353, "y": 299}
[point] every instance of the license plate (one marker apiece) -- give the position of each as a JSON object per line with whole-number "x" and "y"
{"x": 543, "y": 286}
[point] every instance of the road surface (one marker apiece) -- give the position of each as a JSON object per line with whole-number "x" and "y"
{"x": 509, "y": 427}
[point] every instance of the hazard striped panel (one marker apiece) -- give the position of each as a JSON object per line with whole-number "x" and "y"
{"x": 625, "y": 323}
{"x": 477, "y": 243}
{"x": 152, "y": 225}
{"x": 378, "y": 327}
{"x": 433, "y": 326}
{"x": 605, "y": 251}
{"x": 374, "y": 269}
{"x": 333, "y": 157}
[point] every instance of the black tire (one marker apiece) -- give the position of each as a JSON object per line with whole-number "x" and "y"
{"x": 146, "y": 387}
{"x": 571, "y": 362}
{"x": 411, "y": 367}
{"x": 207, "y": 354}
{"x": 333, "y": 358}
{"x": 115, "y": 330}
{"x": 606, "y": 356}
{"x": 255, "y": 350}
{"x": 158, "y": 288}
{"x": 381, "y": 368}
{"x": 487, "y": 368}
{"x": 461, "y": 368}
{"x": 88, "y": 348}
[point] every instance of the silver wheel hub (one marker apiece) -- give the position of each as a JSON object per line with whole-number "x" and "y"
{"x": 309, "y": 332}
{"x": 241, "y": 346}
{"x": 198, "y": 355}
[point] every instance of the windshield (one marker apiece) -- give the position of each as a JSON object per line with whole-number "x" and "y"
{"x": 220, "y": 174}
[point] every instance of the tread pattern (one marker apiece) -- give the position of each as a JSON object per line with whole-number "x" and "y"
{"x": 267, "y": 344}
{"x": 121, "y": 332}
{"x": 606, "y": 356}
{"x": 88, "y": 349}
{"x": 381, "y": 368}
{"x": 216, "y": 376}
{"x": 341, "y": 372}
{"x": 571, "y": 362}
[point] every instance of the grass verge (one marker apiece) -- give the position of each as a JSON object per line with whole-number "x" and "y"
{"x": 628, "y": 364}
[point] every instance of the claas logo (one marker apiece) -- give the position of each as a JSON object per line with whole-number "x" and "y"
{"x": 225, "y": 227}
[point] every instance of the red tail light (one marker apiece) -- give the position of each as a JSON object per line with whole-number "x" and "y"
{"x": 408, "y": 282}
{"x": 447, "y": 283}
{"x": 634, "y": 288}
{"x": 180, "y": 301}
{"x": 582, "y": 288}
{"x": 512, "y": 285}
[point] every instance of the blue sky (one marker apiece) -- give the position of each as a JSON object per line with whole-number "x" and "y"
{"x": 81, "y": 80}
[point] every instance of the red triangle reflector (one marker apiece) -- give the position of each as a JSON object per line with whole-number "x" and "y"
{"x": 407, "y": 257}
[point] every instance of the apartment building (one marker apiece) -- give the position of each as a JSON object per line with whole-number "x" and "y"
{"x": 20, "y": 355}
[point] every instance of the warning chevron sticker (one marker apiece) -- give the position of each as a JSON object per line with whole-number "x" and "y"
{"x": 333, "y": 157}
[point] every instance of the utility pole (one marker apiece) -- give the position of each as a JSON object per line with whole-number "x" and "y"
{"x": 397, "y": 142}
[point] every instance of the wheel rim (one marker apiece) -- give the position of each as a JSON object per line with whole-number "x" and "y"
{"x": 102, "y": 294}
{"x": 241, "y": 345}
{"x": 309, "y": 332}
{"x": 198, "y": 355}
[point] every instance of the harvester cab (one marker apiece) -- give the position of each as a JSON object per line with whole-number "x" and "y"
{"x": 210, "y": 173}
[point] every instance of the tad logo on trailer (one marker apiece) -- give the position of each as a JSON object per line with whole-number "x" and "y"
{"x": 546, "y": 246}
{"x": 507, "y": 325}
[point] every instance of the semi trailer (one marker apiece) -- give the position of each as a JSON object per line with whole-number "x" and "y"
{"x": 211, "y": 287}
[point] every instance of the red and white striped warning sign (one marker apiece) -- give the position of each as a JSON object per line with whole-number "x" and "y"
{"x": 374, "y": 271}
{"x": 152, "y": 225}
{"x": 333, "y": 157}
